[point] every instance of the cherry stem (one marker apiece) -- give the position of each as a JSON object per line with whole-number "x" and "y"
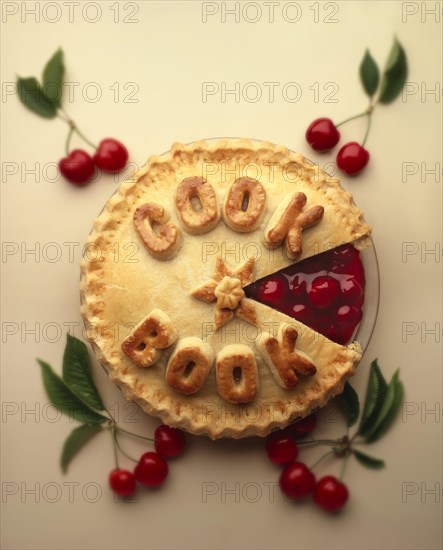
{"x": 343, "y": 468}
{"x": 320, "y": 459}
{"x": 112, "y": 419}
{"x": 367, "y": 129}
{"x": 68, "y": 140}
{"x": 368, "y": 112}
{"x": 313, "y": 441}
{"x": 73, "y": 127}
{"x": 351, "y": 118}
{"x": 120, "y": 449}
{"x": 133, "y": 434}
{"x": 63, "y": 116}
{"x": 114, "y": 445}
{"x": 83, "y": 136}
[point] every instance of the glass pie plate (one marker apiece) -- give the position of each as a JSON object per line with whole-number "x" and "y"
{"x": 372, "y": 296}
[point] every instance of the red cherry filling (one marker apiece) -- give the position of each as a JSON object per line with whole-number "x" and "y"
{"x": 349, "y": 315}
{"x": 324, "y": 292}
{"x": 345, "y": 254}
{"x": 298, "y": 288}
{"x": 273, "y": 290}
{"x": 301, "y": 312}
{"x": 351, "y": 290}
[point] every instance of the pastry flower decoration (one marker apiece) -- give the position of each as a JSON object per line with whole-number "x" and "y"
{"x": 229, "y": 292}
{"x": 226, "y": 289}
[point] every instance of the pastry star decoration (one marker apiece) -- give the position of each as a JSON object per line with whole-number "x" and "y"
{"x": 226, "y": 288}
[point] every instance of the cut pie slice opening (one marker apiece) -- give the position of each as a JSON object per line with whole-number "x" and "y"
{"x": 324, "y": 292}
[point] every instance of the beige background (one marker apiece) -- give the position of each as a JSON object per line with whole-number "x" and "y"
{"x": 149, "y": 74}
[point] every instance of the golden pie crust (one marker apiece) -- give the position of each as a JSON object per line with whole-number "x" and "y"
{"x": 122, "y": 282}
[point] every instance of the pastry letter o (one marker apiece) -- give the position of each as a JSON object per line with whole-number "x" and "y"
{"x": 206, "y": 215}
{"x": 236, "y": 373}
{"x": 189, "y": 365}
{"x": 244, "y": 205}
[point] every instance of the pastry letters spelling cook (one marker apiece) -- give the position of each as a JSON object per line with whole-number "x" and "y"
{"x": 243, "y": 210}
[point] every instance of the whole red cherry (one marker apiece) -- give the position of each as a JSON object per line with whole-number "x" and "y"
{"x": 296, "y": 481}
{"x": 304, "y": 426}
{"x": 122, "y": 482}
{"x": 324, "y": 291}
{"x": 77, "y": 167}
{"x": 169, "y": 442}
{"x": 281, "y": 448}
{"x": 151, "y": 470}
{"x": 331, "y": 494}
{"x": 322, "y": 134}
{"x": 111, "y": 155}
{"x": 352, "y": 158}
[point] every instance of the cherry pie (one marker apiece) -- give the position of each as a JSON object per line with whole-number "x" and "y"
{"x": 225, "y": 286}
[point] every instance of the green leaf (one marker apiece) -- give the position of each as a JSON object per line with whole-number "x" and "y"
{"x": 75, "y": 441}
{"x": 375, "y": 395}
{"x": 394, "y": 75}
{"x": 369, "y": 74}
{"x": 389, "y": 410}
{"x": 77, "y": 373}
{"x": 350, "y": 404}
{"x": 32, "y": 97}
{"x": 65, "y": 400}
{"x": 368, "y": 461}
{"x": 53, "y": 78}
